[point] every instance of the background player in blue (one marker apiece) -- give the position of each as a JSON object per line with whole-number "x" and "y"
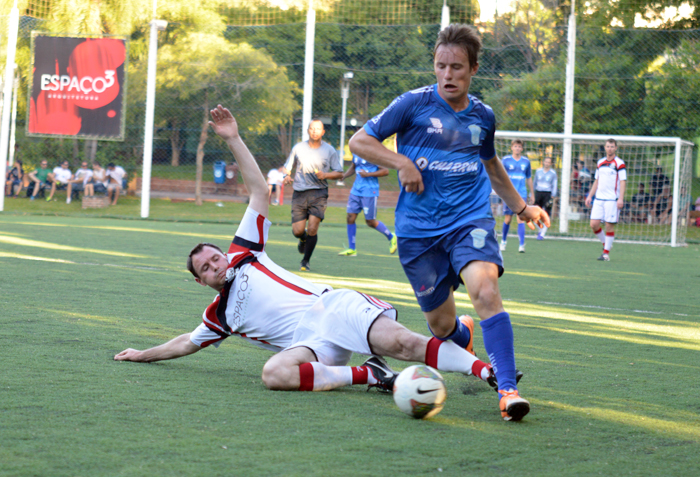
{"x": 447, "y": 164}
{"x": 363, "y": 198}
{"x": 520, "y": 173}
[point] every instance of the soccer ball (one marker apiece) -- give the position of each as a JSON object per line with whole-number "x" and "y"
{"x": 420, "y": 391}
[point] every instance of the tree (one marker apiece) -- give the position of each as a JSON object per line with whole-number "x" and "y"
{"x": 204, "y": 69}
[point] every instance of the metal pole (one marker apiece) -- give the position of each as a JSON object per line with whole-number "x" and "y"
{"x": 568, "y": 123}
{"x": 12, "y": 32}
{"x": 150, "y": 107}
{"x": 308, "y": 71}
{"x": 445, "y": 18}
{"x": 676, "y": 194}
{"x": 344, "y": 93}
{"x": 13, "y": 121}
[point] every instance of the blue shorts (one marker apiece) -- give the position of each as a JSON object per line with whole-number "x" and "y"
{"x": 367, "y": 205}
{"x": 432, "y": 264}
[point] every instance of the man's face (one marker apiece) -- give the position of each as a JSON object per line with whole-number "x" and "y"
{"x": 210, "y": 265}
{"x": 316, "y": 130}
{"x": 64, "y": 165}
{"x": 547, "y": 162}
{"x": 516, "y": 148}
{"x": 453, "y": 73}
{"x": 610, "y": 148}
{"x": 44, "y": 164}
{"x": 83, "y": 165}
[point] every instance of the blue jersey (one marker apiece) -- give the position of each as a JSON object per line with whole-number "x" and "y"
{"x": 519, "y": 172}
{"x": 364, "y": 186}
{"x": 447, "y": 148}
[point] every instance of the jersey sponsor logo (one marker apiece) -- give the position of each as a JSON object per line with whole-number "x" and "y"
{"x": 421, "y": 163}
{"x": 240, "y": 304}
{"x": 437, "y": 126}
{"x": 476, "y": 134}
{"x": 454, "y": 168}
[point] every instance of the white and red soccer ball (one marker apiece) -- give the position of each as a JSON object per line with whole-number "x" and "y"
{"x": 420, "y": 391}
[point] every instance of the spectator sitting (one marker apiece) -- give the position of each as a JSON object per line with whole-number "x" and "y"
{"x": 41, "y": 177}
{"x": 697, "y": 204}
{"x": 97, "y": 182}
{"x": 658, "y": 181}
{"x": 60, "y": 179}
{"x": 640, "y": 205}
{"x": 274, "y": 183}
{"x": 662, "y": 206}
{"x": 15, "y": 178}
{"x": 82, "y": 176}
{"x": 115, "y": 175}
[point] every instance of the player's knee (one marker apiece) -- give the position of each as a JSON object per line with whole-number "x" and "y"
{"x": 273, "y": 376}
{"x": 485, "y": 296}
{"x": 411, "y": 346}
{"x": 351, "y": 218}
{"x": 372, "y": 223}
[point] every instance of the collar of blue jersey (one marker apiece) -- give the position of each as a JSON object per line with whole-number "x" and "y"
{"x": 449, "y": 108}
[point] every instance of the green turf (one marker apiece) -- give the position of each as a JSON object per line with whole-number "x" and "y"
{"x": 609, "y": 350}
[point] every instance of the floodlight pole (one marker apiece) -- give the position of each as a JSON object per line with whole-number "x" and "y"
{"x": 156, "y": 25}
{"x": 12, "y": 31}
{"x": 308, "y": 71}
{"x": 445, "y": 18}
{"x": 568, "y": 123}
{"x": 344, "y": 94}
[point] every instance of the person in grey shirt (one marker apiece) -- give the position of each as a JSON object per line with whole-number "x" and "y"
{"x": 316, "y": 162}
{"x": 545, "y": 185}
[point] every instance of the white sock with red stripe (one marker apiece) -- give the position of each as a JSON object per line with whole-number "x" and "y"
{"x": 609, "y": 238}
{"x": 447, "y": 356}
{"x": 319, "y": 377}
{"x": 600, "y": 234}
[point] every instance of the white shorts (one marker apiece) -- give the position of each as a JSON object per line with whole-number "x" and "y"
{"x": 605, "y": 210}
{"x": 338, "y": 325}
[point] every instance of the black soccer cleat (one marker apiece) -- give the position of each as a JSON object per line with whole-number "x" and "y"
{"x": 381, "y": 371}
{"x": 493, "y": 382}
{"x": 304, "y": 266}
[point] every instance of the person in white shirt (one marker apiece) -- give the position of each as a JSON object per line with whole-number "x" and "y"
{"x": 61, "y": 177}
{"x": 98, "y": 180}
{"x": 115, "y": 175}
{"x": 313, "y": 328}
{"x": 609, "y": 192}
{"x": 78, "y": 182}
{"x": 275, "y": 178}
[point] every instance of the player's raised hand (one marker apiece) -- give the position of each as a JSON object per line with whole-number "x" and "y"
{"x": 410, "y": 177}
{"x": 223, "y": 123}
{"x": 534, "y": 215}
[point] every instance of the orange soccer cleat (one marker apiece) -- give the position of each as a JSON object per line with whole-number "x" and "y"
{"x": 513, "y": 407}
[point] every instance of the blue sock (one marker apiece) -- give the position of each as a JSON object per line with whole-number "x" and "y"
{"x": 498, "y": 341}
{"x": 506, "y": 227}
{"x": 460, "y": 336}
{"x": 383, "y": 229}
{"x": 521, "y": 233}
{"x": 352, "y": 228}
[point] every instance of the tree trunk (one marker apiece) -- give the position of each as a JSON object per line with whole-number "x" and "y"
{"x": 284, "y": 137}
{"x": 200, "y": 151}
{"x": 90, "y": 150}
{"x": 76, "y": 151}
{"x": 175, "y": 143}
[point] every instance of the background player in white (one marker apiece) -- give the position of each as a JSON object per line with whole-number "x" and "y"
{"x": 545, "y": 185}
{"x": 519, "y": 171}
{"x": 314, "y": 328}
{"x": 609, "y": 192}
{"x": 363, "y": 198}
{"x": 447, "y": 165}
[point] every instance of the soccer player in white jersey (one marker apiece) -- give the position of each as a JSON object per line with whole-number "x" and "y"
{"x": 447, "y": 165}
{"x": 609, "y": 192}
{"x": 314, "y": 328}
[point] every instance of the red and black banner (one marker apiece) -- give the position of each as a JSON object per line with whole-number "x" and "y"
{"x": 77, "y": 87}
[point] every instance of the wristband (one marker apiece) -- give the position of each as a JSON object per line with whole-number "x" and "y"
{"x": 522, "y": 210}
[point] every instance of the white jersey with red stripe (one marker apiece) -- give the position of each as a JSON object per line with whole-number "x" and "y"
{"x": 261, "y": 302}
{"x": 609, "y": 174}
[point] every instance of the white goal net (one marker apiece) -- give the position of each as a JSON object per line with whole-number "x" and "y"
{"x": 657, "y": 196}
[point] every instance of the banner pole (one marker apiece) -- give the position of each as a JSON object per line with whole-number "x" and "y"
{"x": 7, "y": 94}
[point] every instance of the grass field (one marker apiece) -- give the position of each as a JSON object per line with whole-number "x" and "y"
{"x": 609, "y": 352}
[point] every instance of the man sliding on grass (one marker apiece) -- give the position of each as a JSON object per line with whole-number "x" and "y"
{"x": 313, "y": 328}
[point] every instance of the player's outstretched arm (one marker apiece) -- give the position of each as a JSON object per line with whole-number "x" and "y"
{"x": 224, "y": 125}
{"x": 370, "y": 149}
{"x": 175, "y": 348}
{"x": 501, "y": 183}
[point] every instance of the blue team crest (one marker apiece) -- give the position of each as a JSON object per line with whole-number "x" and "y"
{"x": 479, "y": 237}
{"x": 421, "y": 163}
{"x": 476, "y": 133}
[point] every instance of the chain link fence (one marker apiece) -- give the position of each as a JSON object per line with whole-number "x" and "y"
{"x": 636, "y": 74}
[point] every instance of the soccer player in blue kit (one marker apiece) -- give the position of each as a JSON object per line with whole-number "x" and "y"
{"x": 519, "y": 171}
{"x": 447, "y": 165}
{"x": 363, "y": 198}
